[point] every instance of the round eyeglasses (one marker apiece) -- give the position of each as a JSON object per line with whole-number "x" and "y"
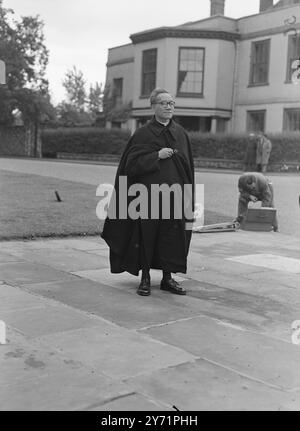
{"x": 165, "y": 104}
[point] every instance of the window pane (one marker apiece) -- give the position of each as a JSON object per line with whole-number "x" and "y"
{"x": 260, "y": 62}
{"x": 256, "y": 121}
{"x": 293, "y": 54}
{"x": 190, "y": 73}
{"x": 149, "y": 71}
{"x": 117, "y": 91}
{"x": 292, "y": 120}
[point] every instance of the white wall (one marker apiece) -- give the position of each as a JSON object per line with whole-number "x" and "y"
{"x": 125, "y": 70}
{"x": 273, "y": 120}
{"x": 277, "y": 90}
{"x": 218, "y": 71}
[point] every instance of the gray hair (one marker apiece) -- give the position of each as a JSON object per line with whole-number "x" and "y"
{"x": 155, "y": 93}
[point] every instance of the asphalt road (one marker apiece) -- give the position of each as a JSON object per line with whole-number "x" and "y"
{"x": 220, "y": 187}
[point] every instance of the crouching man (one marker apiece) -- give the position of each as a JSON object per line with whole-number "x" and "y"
{"x": 253, "y": 187}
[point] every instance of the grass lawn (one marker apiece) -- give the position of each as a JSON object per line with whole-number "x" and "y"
{"x": 29, "y": 207}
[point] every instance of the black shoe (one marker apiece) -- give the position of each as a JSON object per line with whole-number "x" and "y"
{"x": 144, "y": 287}
{"x": 172, "y": 286}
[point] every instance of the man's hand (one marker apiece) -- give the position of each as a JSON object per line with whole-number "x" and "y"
{"x": 165, "y": 153}
{"x": 253, "y": 198}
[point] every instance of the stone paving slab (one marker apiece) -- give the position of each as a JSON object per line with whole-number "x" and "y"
{"x": 264, "y": 358}
{"x": 24, "y": 360}
{"x": 228, "y": 248}
{"x": 127, "y": 309}
{"x": 64, "y": 259}
{"x": 83, "y": 244}
{"x": 270, "y": 261}
{"x": 103, "y": 252}
{"x": 116, "y": 352}
{"x": 222, "y": 266}
{"x": 123, "y": 280}
{"x": 66, "y": 390}
{"x": 254, "y": 312}
{"x": 24, "y": 272}
{"x": 251, "y": 303}
{"x": 80, "y": 244}
{"x": 5, "y": 257}
{"x": 278, "y": 280}
{"x": 282, "y": 288}
{"x": 48, "y": 319}
{"x": 35, "y": 377}
{"x": 116, "y": 305}
{"x": 203, "y": 386}
{"x": 244, "y": 242}
{"x": 12, "y": 298}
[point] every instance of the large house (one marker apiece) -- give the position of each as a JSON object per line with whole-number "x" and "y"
{"x": 226, "y": 75}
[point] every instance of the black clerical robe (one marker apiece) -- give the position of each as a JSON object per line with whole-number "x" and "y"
{"x": 152, "y": 243}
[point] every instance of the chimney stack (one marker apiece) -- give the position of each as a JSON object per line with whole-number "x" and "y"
{"x": 265, "y": 4}
{"x": 217, "y": 7}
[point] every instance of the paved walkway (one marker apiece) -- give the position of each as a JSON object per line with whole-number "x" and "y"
{"x": 79, "y": 338}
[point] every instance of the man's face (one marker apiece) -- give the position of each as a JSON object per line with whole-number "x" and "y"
{"x": 163, "y": 107}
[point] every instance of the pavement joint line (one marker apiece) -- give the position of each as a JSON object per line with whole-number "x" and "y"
{"x": 224, "y": 322}
{"x": 108, "y": 400}
{"x": 247, "y": 376}
{"x": 170, "y": 322}
{"x": 130, "y": 382}
{"x": 219, "y": 321}
{"x": 293, "y": 390}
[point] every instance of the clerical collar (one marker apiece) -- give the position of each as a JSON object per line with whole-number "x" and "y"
{"x": 163, "y": 124}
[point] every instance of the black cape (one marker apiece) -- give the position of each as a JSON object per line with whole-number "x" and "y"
{"x": 134, "y": 242}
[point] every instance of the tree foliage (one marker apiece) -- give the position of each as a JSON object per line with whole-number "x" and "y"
{"x": 95, "y": 100}
{"x": 23, "y": 50}
{"x": 68, "y": 115}
{"x": 80, "y": 108}
{"x": 74, "y": 84}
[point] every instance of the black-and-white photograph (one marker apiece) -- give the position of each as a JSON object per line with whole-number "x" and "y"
{"x": 149, "y": 208}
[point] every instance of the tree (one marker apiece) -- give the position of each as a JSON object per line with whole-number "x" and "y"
{"x": 23, "y": 50}
{"x": 74, "y": 84}
{"x": 68, "y": 115}
{"x": 95, "y": 100}
{"x": 26, "y": 57}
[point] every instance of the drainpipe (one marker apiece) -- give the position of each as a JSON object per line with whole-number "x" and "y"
{"x": 235, "y": 83}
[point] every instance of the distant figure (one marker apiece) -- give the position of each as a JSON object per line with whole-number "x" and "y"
{"x": 263, "y": 151}
{"x": 253, "y": 187}
{"x": 250, "y": 156}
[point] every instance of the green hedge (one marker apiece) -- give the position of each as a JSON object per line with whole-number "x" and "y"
{"x": 285, "y": 147}
{"x": 83, "y": 140}
{"x": 93, "y": 140}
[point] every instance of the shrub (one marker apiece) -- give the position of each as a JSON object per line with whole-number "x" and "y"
{"x": 218, "y": 146}
{"x": 93, "y": 140}
{"x": 96, "y": 140}
{"x": 285, "y": 147}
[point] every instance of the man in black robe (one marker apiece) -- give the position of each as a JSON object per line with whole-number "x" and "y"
{"x": 158, "y": 153}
